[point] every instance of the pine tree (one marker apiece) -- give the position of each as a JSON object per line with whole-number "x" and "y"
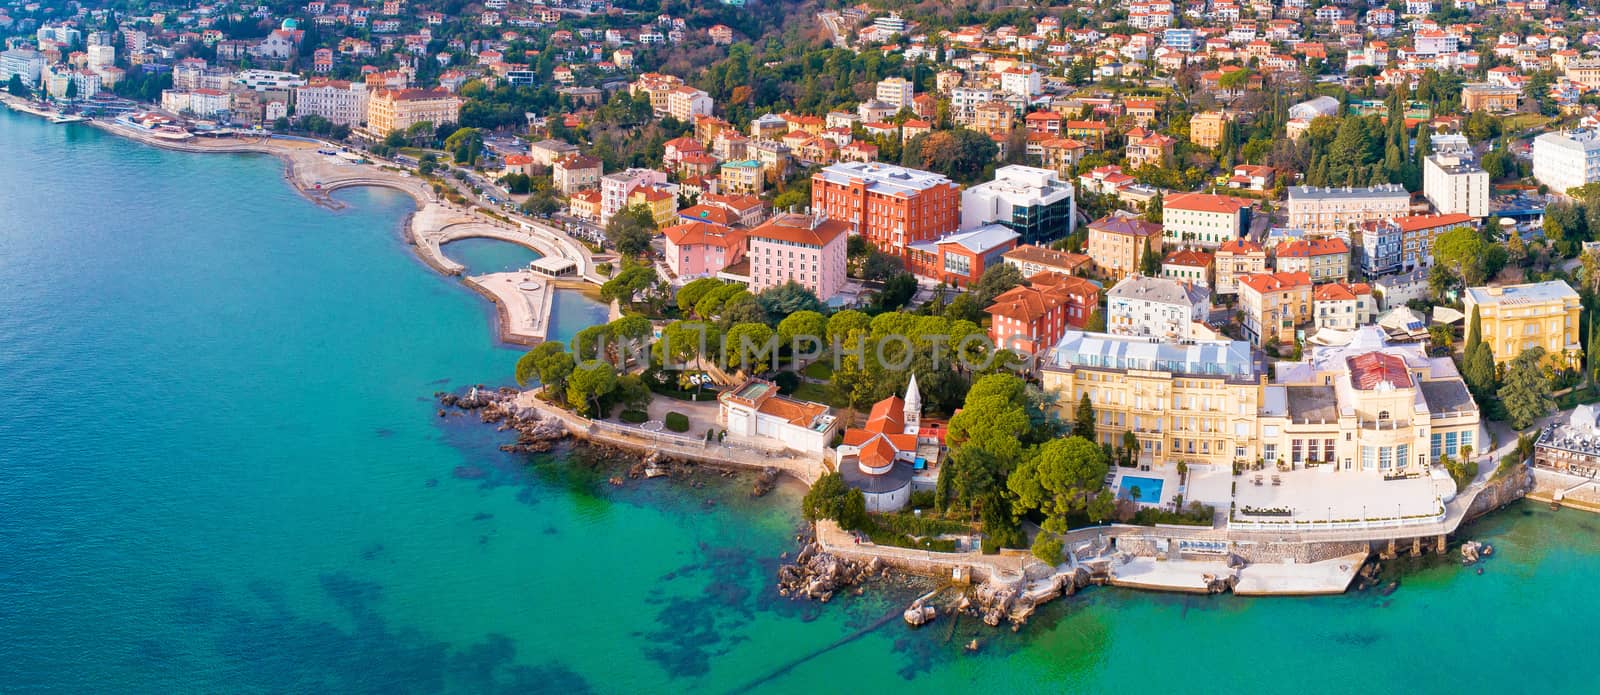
{"x": 1526, "y": 394}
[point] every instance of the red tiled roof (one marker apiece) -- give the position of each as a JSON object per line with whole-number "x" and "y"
{"x": 1414, "y": 223}
{"x": 888, "y": 415}
{"x": 1305, "y": 248}
{"x": 704, "y": 233}
{"x": 1340, "y": 291}
{"x": 1240, "y": 246}
{"x": 1204, "y": 202}
{"x": 1273, "y": 282}
{"x": 1370, "y": 369}
{"x": 1189, "y": 257}
{"x": 798, "y": 229}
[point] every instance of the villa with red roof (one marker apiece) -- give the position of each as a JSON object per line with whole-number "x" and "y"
{"x": 701, "y": 249}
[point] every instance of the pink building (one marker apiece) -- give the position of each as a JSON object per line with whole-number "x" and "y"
{"x": 807, "y": 250}
{"x": 699, "y": 249}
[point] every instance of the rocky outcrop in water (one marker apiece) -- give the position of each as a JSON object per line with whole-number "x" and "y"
{"x": 499, "y": 406}
{"x": 818, "y": 575}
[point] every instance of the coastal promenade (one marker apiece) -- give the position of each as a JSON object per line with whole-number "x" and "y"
{"x": 806, "y": 469}
{"x": 523, "y": 299}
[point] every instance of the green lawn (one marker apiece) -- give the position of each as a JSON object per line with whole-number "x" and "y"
{"x": 816, "y": 393}
{"x": 821, "y": 369}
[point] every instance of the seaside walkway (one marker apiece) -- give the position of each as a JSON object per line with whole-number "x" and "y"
{"x": 804, "y": 468}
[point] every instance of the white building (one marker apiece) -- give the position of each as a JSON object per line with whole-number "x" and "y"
{"x": 890, "y": 24}
{"x": 684, "y": 103}
{"x": 615, "y": 188}
{"x": 1452, "y": 180}
{"x": 1156, "y": 308}
{"x": 28, "y": 65}
{"x": 264, "y": 80}
{"x": 1035, "y": 203}
{"x": 340, "y": 102}
{"x": 1567, "y": 159}
{"x": 1022, "y": 81}
{"x": 896, "y": 91}
{"x": 201, "y": 103}
{"x": 81, "y": 83}
{"x": 101, "y": 56}
{"x": 755, "y": 411}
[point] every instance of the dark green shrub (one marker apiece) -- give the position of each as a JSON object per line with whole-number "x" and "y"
{"x": 633, "y": 417}
{"x": 677, "y": 422}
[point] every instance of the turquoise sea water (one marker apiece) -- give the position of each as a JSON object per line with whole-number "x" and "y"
{"x": 221, "y": 471}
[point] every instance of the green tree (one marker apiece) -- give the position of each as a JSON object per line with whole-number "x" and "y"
{"x": 589, "y": 383}
{"x": 1526, "y": 391}
{"x": 804, "y": 324}
{"x": 1059, "y": 480}
{"x": 841, "y": 324}
{"x": 1478, "y": 371}
{"x": 691, "y": 293}
{"x": 1594, "y": 348}
{"x": 961, "y": 154}
{"x": 749, "y": 347}
{"x": 16, "y": 87}
{"x": 1153, "y": 212}
{"x": 548, "y": 362}
{"x": 1097, "y": 321}
{"x": 683, "y": 342}
{"x": 831, "y": 498}
{"x": 1474, "y": 331}
{"x": 788, "y": 298}
{"x": 1047, "y": 547}
{"x": 1083, "y": 423}
{"x": 1150, "y": 261}
{"x": 627, "y": 285}
{"x": 630, "y": 230}
{"x": 996, "y": 280}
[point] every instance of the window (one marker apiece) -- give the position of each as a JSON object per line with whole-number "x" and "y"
{"x": 1369, "y": 457}
{"x": 1269, "y": 452}
{"x": 1402, "y": 453}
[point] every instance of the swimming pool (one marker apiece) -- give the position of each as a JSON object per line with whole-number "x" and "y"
{"x": 1149, "y": 489}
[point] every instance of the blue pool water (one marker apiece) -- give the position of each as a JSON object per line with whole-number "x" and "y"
{"x": 1149, "y": 489}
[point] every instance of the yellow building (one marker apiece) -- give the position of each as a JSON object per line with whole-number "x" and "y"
{"x": 1368, "y": 406}
{"x": 1385, "y": 409}
{"x": 746, "y": 177}
{"x": 1205, "y": 128}
{"x": 663, "y": 204}
{"x": 390, "y": 110}
{"x": 1195, "y": 402}
{"x": 1273, "y": 305}
{"x": 1118, "y": 242}
{"x": 1517, "y": 317}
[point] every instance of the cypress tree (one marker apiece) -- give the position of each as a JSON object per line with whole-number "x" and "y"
{"x": 1084, "y": 422}
{"x": 1474, "y": 332}
{"x": 1594, "y": 348}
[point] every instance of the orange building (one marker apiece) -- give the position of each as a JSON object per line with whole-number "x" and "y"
{"x": 890, "y": 206}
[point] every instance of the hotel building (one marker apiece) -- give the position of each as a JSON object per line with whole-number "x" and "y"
{"x": 1333, "y": 210}
{"x": 390, "y": 110}
{"x": 1203, "y": 219}
{"x": 1567, "y": 160}
{"x": 890, "y": 206}
{"x": 808, "y": 250}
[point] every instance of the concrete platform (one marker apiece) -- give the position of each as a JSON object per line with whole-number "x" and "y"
{"x": 1312, "y": 579}
{"x": 1183, "y": 576}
